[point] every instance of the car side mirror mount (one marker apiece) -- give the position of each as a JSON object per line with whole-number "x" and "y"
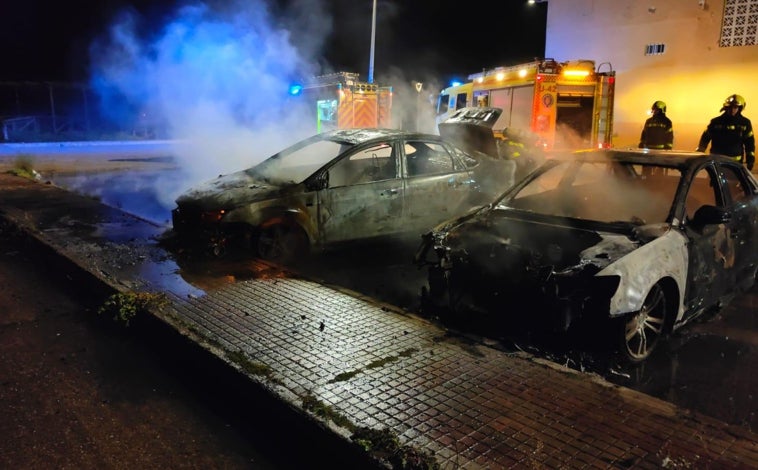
{"x": 710, "y": 215}
{"x": 319, "y": 182}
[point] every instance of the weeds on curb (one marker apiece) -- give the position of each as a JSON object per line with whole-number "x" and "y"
{"x": 382, "y": 445}
{"x": 125, "y": 306}
{"x": 385, "y": 444}
{"x": 23, "y": 166}
{"x": 345, "y": 376}
{"x": 324, "y": 411}
{"x": 252, "y": 368}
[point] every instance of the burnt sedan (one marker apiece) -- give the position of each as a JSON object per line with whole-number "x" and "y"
{"x": 633, "y": 241}
{"x": 336, "y": 186}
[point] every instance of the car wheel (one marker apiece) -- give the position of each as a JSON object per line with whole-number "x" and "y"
{"x": 282, "y": 243}
{"x": 641, "y": 332}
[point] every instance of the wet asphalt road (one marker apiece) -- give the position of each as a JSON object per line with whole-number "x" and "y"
{"x": 707, "y": 366}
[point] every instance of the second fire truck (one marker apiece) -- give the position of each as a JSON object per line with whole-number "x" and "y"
{"x": 341, "y": 101}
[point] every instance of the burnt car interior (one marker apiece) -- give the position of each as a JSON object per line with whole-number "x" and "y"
{"x": 375, "y": 163}
{"x": 424, "y": 158}
{"x": 602, "y": 191}
{"x": 701, "y": 193}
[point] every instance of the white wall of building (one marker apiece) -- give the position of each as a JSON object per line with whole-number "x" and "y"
{"x": 693, "y": 75}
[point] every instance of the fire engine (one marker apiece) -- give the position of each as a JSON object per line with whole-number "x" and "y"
{"x": 567, "y": 105}
{"x": 342, "y": 101}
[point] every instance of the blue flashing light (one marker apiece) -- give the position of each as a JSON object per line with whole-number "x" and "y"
{"x": 456, "y": 83}
{"x": 295, "y": 89}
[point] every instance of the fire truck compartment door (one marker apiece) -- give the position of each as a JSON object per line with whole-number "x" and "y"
{"x": 576, "y": 90}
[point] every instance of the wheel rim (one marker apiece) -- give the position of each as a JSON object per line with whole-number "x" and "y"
{"x": 271, "y": 243}
{"x": 280, "y": 243}
{"x": 643, "y": 330}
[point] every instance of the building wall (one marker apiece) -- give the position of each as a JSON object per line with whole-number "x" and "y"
{"x": 693, "y": 75}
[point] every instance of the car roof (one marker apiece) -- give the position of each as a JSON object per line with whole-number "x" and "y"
{"x": 671, "y": 158}
{"x": 361, "y": 135}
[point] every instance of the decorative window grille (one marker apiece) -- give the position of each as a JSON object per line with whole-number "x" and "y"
{"x": 739, "y": 26}
{"x": 655, "y": 49}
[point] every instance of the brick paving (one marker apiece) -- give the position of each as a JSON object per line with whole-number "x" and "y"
{"x": 381, "y": 368}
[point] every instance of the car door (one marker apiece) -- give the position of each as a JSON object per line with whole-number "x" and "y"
{"x": 363, "y": 196}
{"x": 742, "y": 204}
{"x": 437, "y": 184}
{"x": 711, "y": 249}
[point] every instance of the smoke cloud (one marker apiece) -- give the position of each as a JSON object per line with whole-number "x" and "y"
{"x": 213, "y": 77}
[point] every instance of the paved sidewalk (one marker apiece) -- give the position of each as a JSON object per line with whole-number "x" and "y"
{"x": 353, "y": 363}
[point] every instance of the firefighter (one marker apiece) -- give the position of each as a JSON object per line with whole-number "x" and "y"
{"x": 658, "y": 132}
{"x": 522, "y": 148}
{"x": 731, "y": 133}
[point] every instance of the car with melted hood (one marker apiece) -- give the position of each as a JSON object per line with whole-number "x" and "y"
{"x": 343, "y": 185}
{"x": 636, "y": 243}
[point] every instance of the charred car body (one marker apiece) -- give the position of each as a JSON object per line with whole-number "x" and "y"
{"x": 636, "y": 241}
{"x": 513, "y": 152}
{"x": 336, "y": 186}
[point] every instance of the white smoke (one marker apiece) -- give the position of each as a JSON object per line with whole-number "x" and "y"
{"x": 216, "y": 77}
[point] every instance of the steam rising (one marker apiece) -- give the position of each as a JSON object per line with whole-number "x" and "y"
{"x": 214, "y": 78}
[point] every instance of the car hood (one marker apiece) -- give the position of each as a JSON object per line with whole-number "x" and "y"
{"x": 231, "y": 190}
{"x": 541, "y": 242}
{"x": 471, "y": 129}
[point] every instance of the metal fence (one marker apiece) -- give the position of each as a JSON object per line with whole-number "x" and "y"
{"x": 43, "y": 111}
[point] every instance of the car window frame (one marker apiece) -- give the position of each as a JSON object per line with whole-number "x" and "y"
{"x": 683, "y": 194}
{"x": 747, "y": 187}
{"x": 456, "y": 165}
{"x": 390, "y": 142}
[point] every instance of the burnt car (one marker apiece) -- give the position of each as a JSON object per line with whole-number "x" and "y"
{"x": 634, "y": 243}
{"x": 343, "y": 185}
{"x": 513, "y": 151}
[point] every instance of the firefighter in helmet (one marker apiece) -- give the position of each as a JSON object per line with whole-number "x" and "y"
{"x": 521, "y": 147}
{"x": 731, "y": 133}
{"x": 658, "y": 132}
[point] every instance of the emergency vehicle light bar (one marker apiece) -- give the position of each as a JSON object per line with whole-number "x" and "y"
{"x": 576, "y": 73}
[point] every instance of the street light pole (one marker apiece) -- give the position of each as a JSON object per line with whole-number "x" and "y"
{"x": 373, "y": 40}
{"x": 419, "y": 86}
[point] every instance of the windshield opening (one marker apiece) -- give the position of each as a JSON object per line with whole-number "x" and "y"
{"x": 299, "y": 161}
{"x": 608, "y": 191}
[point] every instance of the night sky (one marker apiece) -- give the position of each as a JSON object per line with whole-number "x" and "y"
{"x": 49, "y": 40}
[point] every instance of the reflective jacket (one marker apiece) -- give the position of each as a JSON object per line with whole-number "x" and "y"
{"x": 731, "y": 136}
{"x": 658, "y": 133}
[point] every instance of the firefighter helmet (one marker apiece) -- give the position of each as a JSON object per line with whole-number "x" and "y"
{"x": 734, "y": 100}
{"x": 659, "y": 105}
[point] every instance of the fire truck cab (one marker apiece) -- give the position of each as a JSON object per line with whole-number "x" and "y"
{"x": 342, "y": 101}
{"x": 568, "y": 105}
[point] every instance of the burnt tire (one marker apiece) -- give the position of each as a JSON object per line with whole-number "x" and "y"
{"x": 280, "y": 243}
{"x": 641, "y": 332}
